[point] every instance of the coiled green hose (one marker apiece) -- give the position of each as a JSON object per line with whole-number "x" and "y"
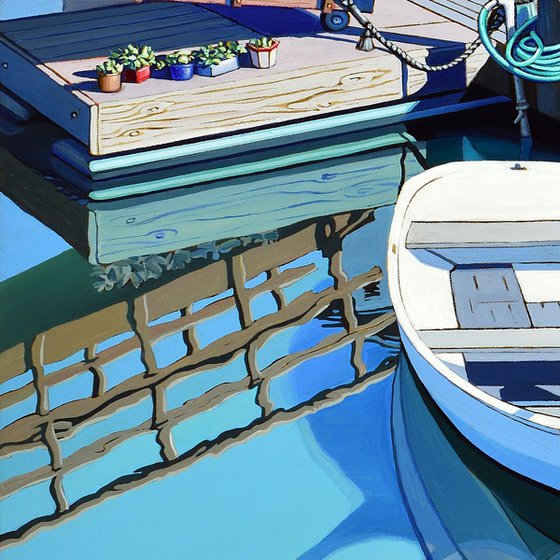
{"x": 526, "y": 55}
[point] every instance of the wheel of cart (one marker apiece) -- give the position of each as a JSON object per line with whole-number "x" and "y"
{"x": 334, "y": 18}
{"x": 337, "y": 20}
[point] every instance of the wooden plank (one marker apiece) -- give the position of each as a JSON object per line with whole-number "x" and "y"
{"x": 492, "y": 340}
{"x": 91, "y": 15}
{"x": 325, "y": 89}
{"x": 464, "y": 12}
{"x": 65, "y": 340}
{"x": 173, "y": 220}
{"x": 45, "y": 91}
{"x": 104, "y": 19}
{"x": 178, "y": 35}
{"x": 458, "y": 235}
{"x": 121, "y": 33}
{"x": 12, "y": 362}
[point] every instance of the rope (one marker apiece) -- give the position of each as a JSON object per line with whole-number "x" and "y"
{"x": 526, "y": 55}
{"x": 365, "y": 43}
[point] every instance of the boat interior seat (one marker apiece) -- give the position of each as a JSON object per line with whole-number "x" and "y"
{"x": 500, "y": 340}
{"x": 465, "y": 235}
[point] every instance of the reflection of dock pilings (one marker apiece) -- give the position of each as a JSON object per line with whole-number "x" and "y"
{"x": 47, "y": 427}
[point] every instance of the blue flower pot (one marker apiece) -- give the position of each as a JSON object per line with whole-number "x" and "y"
{"x": 162, "y": 74}
{"x": 181, "y": 71}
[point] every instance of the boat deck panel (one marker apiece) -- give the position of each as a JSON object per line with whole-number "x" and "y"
{"x": 488, "y": 297}
{"x": 317, "y": 73}
{"x": 545, "y": 314}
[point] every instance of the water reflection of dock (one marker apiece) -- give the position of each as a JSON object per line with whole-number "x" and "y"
{"x": 153, "y": 354}
{"x": 109, "y": 230}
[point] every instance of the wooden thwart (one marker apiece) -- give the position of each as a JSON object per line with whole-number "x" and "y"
{"x": 492, "y": 340}
{"x": 459, "y": 235}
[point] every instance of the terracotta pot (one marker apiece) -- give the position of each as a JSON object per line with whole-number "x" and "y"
{"x": 136, "y": 76}
{"x": 109, "y": 83}
{"x": 263, "y": 57}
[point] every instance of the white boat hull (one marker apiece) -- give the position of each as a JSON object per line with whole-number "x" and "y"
{"x": 527, "y": 449}
{"x": 480, "y": 216}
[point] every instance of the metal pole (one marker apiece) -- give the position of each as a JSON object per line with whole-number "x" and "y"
{"x": 521, "y": 105}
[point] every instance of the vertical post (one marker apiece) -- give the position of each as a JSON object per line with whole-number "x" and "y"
{"x": 548, "y": 95}
{"x": 161, "y": 424}
{"x": 277, "y": 293}
{"x": 99, "y": 377}
{"x": 237, "y": 280}
{"x": 138, "y": 318}
{"x": 38, "y": 369}
{"x": 189, "y": 334}
{"x": 521, "y": 101}
{"x": 348, "y": 314}
{"x": 53, "y": 446}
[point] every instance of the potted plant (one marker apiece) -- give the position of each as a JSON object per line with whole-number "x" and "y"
{"x": 218, "y": 59}
{"x": 181, "y": 65}
{"x": 263, "y": 51}
{"x": 109, "y": 75}
{"x": 160, "y": 68}
{"x": 136, "y": 60}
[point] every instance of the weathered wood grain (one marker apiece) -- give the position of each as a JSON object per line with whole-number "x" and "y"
{"x": 464, "y": 12}
{"x": 245, "y": 205}
{"x": 273, "y": 99}
{"x": 317, "y": 74}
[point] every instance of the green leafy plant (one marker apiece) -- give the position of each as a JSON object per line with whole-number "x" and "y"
{"x": 134, "y": 57}
{"x": 179, "y": 57}
{"x": 214, "y": 54}
{"x": 161, "y": 62}
{"x": 231, "y": 48}
{"x": 109, "y": 67}
{"x": 263, "y": 42}
{"x": 209, "y": 56}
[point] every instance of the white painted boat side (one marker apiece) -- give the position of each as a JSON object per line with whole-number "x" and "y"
{"x": 522, "y": 440}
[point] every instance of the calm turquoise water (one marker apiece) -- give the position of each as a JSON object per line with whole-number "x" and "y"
{"x": 369, "y": 472}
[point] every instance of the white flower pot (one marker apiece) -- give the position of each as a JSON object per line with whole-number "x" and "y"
{"x": 263, "y": 57}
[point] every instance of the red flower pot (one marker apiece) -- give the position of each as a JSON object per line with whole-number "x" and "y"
{"x": 136, "y": 76}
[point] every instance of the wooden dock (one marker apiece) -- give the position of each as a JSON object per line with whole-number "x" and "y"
{"x": 48, "y": 61}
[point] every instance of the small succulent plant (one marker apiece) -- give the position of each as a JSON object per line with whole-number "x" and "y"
{"x": 160, "y": 62}
{"x": 231, "y": 48}
{"x": 179, "y": 57}
{"x": 263, "y": 42}
{"x": 214, "y": 54}
{"x": 134, "y": 57}
{"x": 110, "y": 66}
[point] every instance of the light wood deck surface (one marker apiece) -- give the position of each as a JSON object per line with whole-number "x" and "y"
{"x": 318, "y": 73}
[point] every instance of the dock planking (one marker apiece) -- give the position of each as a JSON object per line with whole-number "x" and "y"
{"x": 317, "y": 74}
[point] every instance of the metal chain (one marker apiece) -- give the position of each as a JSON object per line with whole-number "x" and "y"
{"x": 365, "y": 43}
